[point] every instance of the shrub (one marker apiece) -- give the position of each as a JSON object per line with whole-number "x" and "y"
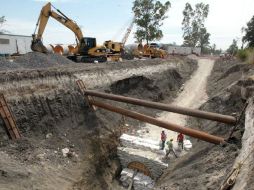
{"x": 242, "y": 54}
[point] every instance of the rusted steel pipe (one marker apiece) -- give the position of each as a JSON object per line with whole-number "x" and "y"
{"x": 165, "y": 107}
{"x": 167, "y": 125}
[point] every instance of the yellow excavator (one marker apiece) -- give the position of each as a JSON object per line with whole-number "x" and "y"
{"x": 86, "y": 49}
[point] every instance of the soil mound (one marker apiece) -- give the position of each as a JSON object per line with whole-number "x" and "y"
{"x": 5, "y": 64}
{"x": 34, "y": 60}
{"x": 37, "y": 60}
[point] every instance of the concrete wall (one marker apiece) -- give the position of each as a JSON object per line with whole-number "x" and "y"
{"x": 151, "y": 160}
{"x": 9, "y": 44}
{"x": 184, "y": 50}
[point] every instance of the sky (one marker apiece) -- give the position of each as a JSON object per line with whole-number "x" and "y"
{"x": 109, "y": 19}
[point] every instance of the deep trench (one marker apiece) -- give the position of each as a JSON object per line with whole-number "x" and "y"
{"x": 52, "y": 115}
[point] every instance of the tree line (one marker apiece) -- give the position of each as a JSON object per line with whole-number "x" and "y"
{"x": 149, "y": 16}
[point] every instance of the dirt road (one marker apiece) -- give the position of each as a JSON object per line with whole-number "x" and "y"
{"x": 192, "y": 96}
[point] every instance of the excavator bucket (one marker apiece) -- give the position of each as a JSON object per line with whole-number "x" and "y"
{"x": 38, "y": 46}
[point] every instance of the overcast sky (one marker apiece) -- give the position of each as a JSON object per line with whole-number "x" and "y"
{"x": 108, "y": 19}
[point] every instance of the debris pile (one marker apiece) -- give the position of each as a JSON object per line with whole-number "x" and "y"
{"x": 141, "y": 181}
{"x": 34, "y": 60}
{"x": 140, "y": 143}
{"x": 5, "y": 64}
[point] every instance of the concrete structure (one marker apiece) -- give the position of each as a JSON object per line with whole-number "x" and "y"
{"x": 142, "y": 155}
{"x": 140, "y": 143}
{"x": 151, "y": 160}
{"x": 11, "y": 44}
{"x": 184, "y": 50}
{"x": 141, "y": 181}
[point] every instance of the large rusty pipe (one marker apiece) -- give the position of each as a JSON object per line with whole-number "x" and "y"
{"x": 167, "y": 125}
{"x": 165, "y": 107}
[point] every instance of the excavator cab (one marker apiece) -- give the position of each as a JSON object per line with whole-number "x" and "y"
{"x": 86, "y": 44}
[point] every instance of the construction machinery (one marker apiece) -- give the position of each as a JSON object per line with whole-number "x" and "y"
{"x": 118, "y": 47}
{"x": 150, "y": 50}
{"x": 86, "y": 49}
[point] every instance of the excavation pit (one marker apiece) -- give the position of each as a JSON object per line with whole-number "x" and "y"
{"x": 52, "y": 115}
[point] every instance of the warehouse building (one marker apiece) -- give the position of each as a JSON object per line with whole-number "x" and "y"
{"x": 14, "y": 44}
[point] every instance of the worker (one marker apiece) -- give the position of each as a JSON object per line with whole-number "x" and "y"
{"x": 170, "y": 148}
{"x": 180, "y": 139}
{"x": 163, "y": 139}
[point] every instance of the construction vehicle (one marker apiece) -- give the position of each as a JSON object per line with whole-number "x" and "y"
{"x": 117, "y": 48}
{"x": 150, "y": 50}
{"x": 86, "y": 49}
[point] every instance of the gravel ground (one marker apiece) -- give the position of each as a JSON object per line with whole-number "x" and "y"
{"x": 34, "y": 60}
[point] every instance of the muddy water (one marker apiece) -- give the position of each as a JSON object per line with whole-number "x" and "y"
{"x": 192, "y": 96}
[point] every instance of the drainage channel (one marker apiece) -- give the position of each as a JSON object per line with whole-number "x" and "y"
{"x": 141, "y": 158}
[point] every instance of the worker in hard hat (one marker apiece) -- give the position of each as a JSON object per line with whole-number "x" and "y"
{"x": 163, "y": 139}
{"x": 170, "y": 148}
{"x": 180, "y": 138}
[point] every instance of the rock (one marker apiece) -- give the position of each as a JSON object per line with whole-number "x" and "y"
{"x": 65, "y": 152}
{"x": 141, "y": 181}
{"x": 140, "y": 143}
{"x": 41, "y": 156}
{"x": 49, "y": 135}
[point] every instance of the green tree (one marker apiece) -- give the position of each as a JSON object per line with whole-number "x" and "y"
{"x": 2, "y": 21}
{"x": 149, "y": 15}
{"x": 194, "y": 32}
{"x": 233, "y": 48}
{"x": 249, "y": 33}
{"x": 204, "y": 38}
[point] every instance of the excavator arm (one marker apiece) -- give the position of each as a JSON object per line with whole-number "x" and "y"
{"x": 47, "y": 12}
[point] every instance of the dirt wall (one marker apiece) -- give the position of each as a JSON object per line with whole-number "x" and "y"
{"x": 52, "y": 115}
{"x": 208, "y": 165}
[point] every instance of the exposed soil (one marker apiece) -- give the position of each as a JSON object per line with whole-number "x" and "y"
{"x": 192, "y": 96}
{"x": 52, "y": 115}
{"x": 207, "y": 165}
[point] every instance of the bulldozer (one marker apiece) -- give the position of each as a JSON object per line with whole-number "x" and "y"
{"x": 150, "y": 50}
{"x": 86, "y": 49}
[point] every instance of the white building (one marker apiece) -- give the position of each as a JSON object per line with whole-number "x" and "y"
{"x": 10, "y": 44}
{"x": 184, "y": 50}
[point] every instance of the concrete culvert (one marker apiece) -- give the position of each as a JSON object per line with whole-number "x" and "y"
{"x": 140, "y": 167}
